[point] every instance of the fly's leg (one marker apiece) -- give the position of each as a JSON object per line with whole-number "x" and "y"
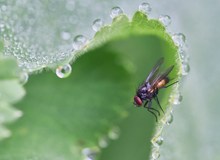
{"x": 158, "y": 102}
{"x": 170, "y": 84}
{"x": 150, "y": 106}
{"x": 152, "y": 113}
{"x": 145, "y": 104}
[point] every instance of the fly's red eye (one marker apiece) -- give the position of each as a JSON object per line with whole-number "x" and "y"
{"x": 137, "y": 101}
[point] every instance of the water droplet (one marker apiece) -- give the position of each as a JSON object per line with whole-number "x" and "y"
{"x": 177, "y": 99}
{"x": 65, "y": 35}
{"x": 159, "y": 141}
{"x": 97, "y": 25}
{"x": 103, "y": 142}
{"x": 90, "y": 154}
{"x": 169, "y": 119}
{"x": 115, "y": 12}
{"x": 165, "y": 20}
{"x": 184, "y": 56}
{"x": 145, "y": 8}
{"x": 63, "y": 71}
{"x": 155, "y": 154}
{"x": 114, "y": 133}
{"x": 185, "y": 68}
{"x": 179, "y": 39}
{"x": 23, "y": 78}
{"x": 79, "y": 42}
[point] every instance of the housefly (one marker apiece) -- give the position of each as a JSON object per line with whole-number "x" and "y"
{"x": 149, "y": 89}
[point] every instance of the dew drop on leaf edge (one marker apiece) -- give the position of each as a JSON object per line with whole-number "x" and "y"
{"x": 165, "y": 20}
{"x": 169, "y": 119}
{"x": 145, "y": 8}
{"x": 63, "y": 71}
{"x": 155, "y": 154}
{"x": 103, "y": 142}
{"x": 115, "y": 12}
{"x": 179, "y": 39}
{"x": 89, "y": 153}
{"x": 114, "y": 133}
{"x": 79, "y": 42}
{"x": 159, "y": 141}
{"x": 97, "y": 25}
{"x": 23, "y": 78}
{"x": 185, "y": 68}
{"x": 177, "y": 99}
{"x": 183, "y": 55}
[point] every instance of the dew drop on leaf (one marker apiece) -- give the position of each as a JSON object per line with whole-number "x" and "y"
{"x": 90, "y": 154}
{"x": 165, "y": 20}
{"x": 185, "y": 68}
{"x": 103, "y": 142}
{"x": 23, "y": 78}
{"x": 159, "y": 141}
{"x": 169, "y": 119}
{"x": 145, "y": 8}
{"x": 79, "y": 42}
{"x": 176, "y": 98}
{"x": 97, "y": 25}
{"x": 115, "y": 12}
{"x": 183, "y": 55}
{"x": 179, "y": 39}
{"x": 114, "y": 133}
{"x": 63, "y": 71}
{"x": 155, "y": 154}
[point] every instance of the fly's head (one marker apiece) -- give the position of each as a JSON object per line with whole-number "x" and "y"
{"x": 137, "y": 101}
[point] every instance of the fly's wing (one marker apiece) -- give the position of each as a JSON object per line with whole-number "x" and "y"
{"x": 162, "y": 75}
{"x": 154, "y": 71}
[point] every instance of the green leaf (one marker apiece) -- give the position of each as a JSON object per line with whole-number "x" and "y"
{"x": 63, "y": 116}
{"x": 11, "y": 92}
{"x": 9, "y": 68}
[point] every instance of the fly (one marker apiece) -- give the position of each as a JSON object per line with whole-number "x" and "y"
{"x": 149, "y": 89}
